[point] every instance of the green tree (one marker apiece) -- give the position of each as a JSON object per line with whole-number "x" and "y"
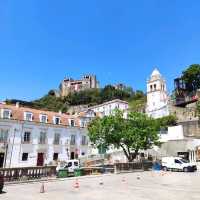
{"x": 137, "y": 132}
{"x": 50, "y": 102}
{"x": 191, "y": 77}
{"x": 167, "y": 121}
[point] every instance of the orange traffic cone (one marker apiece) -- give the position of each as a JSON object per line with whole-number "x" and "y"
{"x": 123, "y": 180}
{"x": 101, "y": 182}
{"x": 42, "y": 190}
{"x": 138, "y": 177}
{"x": 162, "y": 173}
{"x": 76, "y": 185}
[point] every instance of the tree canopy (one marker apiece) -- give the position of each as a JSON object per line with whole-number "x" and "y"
{"x": 137, "y": 132}
{"x": 191, "y": 77}
{"x": 98, "y": 96}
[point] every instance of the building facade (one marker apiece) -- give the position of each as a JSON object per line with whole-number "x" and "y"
{"x": 157, "y": 98}
{"x": 69, "y": 85}
{"x": 108, "y": 108}
{"x": 30, "y": 137}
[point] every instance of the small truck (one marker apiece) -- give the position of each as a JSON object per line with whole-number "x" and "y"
{"x": 70, "y": 165}
{"x": 178, "y": 164}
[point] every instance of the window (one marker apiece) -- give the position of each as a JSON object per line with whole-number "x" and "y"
{"x": 69, "y": 164}
{"x": 178, "y": 161}
{"x": 163, "y": 131}
{"x": 73, "y": 140}
{"x": 82, "y": 123}
{"x": 3, "y": 135}
{"x": 151, "y": 87}
{"x": 154, "y": 86}
{"x": 76, "y": 164}
{"x": 84, "y": 140}
{"x": 72, "y": 155}
{"x": 56, "y": 120}
{"x": 43, "y": 137}
{"x": 24, "y": 156}
{"x": 28, "y": 116}
{"x": 55, "y": 156}
{"x": 72, "y": 123}
{"x": 43, "y": 118}
{"x": 6, "y": 114}
{"x": 57, "y": 138}
{"x": 27, "y": 137}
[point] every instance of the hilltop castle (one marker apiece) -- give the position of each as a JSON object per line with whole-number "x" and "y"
{"x": 69, "y": 85}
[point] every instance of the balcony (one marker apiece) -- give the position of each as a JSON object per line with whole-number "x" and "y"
{"x": 182, "y": 97}
{"x": 183, "y": 101}
{"x": 183, "y": 93}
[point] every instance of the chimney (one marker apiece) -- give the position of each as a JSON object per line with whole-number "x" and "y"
{"x": 17, "y": 105}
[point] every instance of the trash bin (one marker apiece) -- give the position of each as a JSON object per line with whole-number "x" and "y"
{"x": 62, "y": 173}
{"x": 157, "y": 166}
{"x": 77, "y": 172}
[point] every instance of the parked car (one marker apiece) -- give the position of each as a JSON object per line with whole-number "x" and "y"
{"x": 1, "y": 183}
{"x": 178, "y": 164}
{"x": 70, "y": 165}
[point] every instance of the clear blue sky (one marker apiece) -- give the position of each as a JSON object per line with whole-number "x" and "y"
{"x": 42, "y": 41}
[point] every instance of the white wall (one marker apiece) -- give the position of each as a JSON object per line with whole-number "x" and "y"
{"x": 108, "y": 108}
{"x": 173, "y": 133}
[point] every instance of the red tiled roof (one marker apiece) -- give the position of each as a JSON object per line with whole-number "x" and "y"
{"x": 18, "y": 114}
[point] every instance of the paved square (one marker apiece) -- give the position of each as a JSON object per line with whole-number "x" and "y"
{"x": 136, "y": 186}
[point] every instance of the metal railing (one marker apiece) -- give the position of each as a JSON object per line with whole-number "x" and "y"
{"x": 143, "y": 165}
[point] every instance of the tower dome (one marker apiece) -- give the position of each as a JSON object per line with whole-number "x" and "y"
{"x": 155, "y": 72}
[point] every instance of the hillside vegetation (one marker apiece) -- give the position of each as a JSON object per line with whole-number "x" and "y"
{"x": 89, "y": 97}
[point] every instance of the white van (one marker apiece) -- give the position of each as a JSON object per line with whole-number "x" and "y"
{"x": 72, "y": 165}
{"x": 178, "y": 164}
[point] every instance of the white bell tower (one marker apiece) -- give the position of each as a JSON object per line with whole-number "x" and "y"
{"x": 157, "y": 98}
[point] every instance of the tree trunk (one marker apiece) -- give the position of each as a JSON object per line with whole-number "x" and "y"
{"x": 128, "y": 156}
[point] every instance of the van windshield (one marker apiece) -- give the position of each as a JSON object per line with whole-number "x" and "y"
{"x": 184, "y": 161}
{"x": 76, "y": 163}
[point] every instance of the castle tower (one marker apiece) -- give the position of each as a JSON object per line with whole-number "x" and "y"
{"x": 157, "y": 98}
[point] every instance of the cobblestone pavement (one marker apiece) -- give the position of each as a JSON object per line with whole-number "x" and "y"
{"x": 136, "y": 186}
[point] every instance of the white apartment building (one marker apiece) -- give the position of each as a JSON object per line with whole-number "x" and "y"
{"x": 107, "y": 108}
{"x": 30, "y": 137}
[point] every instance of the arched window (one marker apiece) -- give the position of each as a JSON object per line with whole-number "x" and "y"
{"x": 151, "y": 87}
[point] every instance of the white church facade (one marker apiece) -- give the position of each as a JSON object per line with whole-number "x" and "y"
{"x": 157, "y": 97}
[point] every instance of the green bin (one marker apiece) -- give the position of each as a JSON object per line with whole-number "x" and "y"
{"x": 77, "y": 172}
{"x": 63, "y": 173}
